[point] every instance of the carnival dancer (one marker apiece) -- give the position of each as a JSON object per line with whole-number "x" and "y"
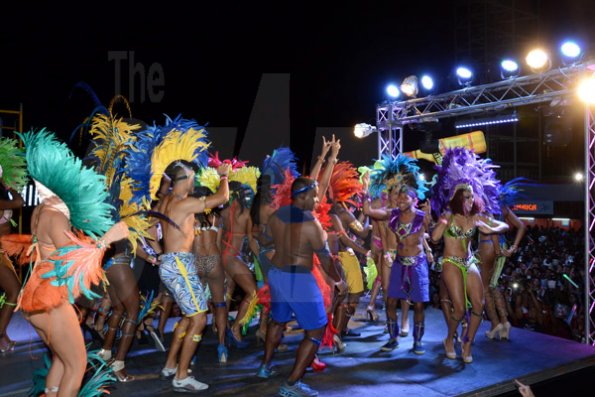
{"x": 409, "y": 279}
{"x": 457, "y": 197}
{"x": 112, "y": 137}
{"x": 344, "y": 185}
{"x": 297, "y": 236}
{"x": 13, "y": 177}
{"x": 493, "y": 251}
{"x": 237, "y": 225}
{"x": 66, "y": 265}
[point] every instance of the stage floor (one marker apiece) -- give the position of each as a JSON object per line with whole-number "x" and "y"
{"x": 362, "y": 370}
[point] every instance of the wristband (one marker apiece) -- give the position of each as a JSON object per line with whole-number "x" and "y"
{"x": 223, "y": 177}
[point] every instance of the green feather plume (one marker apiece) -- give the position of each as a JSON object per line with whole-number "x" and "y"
{"x": 12, "y": 161}
{"x": 82, "y": 189}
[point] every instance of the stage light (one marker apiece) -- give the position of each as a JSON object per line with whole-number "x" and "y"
{"x": 538, "y": 60}
{"x": 393, "y": 91}
{"x": 509, "y": 69}
{"x": 422, "y": 176}
{"x": 480, "y": 122}
{"x": 579, "y": 177}
{"x": 464, "y": 75}
{"x": 427, "y": 82}
{"x": 571, "y": 52}
{"x": 362, "y": 130}
{"x": 409, "y": 86}
{"x": 586, "y": 90}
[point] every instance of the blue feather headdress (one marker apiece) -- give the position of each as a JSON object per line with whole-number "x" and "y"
{"x": 512, "y": 191}
{"x": 159, "y": 146}
{"x": 274, "y": 166}
{"x": 52, "y": 164}
{"x": 387, "y": 173}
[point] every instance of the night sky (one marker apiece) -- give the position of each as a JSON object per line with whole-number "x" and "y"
{"x": 259, "y": 76}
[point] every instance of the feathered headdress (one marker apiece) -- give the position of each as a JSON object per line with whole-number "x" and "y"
{"x": 388, "y": 173}
{"x": 246, "y": 176}
{"x": 111, "y": 137}
{"x": 344, "y": 183}
{"x": 511, "y": 192}
{"x": 52, "y": 164}
{"x": 209, "y": 178}
{"x": 215, "y": 162}
{"x": 158, "y": 147}
{"x": 275, "y": 165}
{"x": 462, "y": 169}
{"x": 13, "y": 168}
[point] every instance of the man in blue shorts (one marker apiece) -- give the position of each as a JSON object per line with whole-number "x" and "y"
{"x": 297, "y": 237}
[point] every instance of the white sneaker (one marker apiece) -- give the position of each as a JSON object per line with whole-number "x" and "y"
{"x": 188, "y": 384}
{"x": 167, "y": 373}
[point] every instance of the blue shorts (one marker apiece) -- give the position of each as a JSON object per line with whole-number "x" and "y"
{"x": 181, "y": 279}
{"x": 409, "y": 279}
{"x": 294, "y": 290}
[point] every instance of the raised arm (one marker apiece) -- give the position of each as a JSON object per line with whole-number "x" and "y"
{"x": 197, "y": 205}
{"x": 326, "y": 145}
{"x": 328, "y": 171}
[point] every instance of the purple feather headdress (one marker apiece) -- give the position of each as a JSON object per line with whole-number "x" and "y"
{"x": 463, "y": 169}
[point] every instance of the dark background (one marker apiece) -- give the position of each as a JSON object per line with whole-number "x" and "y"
{"x": 320, "y": 69}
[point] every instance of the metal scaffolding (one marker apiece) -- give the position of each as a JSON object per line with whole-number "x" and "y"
{"x": 553, "y": 86}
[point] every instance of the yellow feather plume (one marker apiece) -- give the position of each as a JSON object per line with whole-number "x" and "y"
{"x": 209, "y": 178}
{"x": 246, "y": 176}
{"x": 175, "y": 146}
{"x": 111, "y": 135}
{"x": 137, "y": 224}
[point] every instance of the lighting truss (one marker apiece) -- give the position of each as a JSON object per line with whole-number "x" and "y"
{"x": 554, "y": 84}
{"x": 589, "y": 226}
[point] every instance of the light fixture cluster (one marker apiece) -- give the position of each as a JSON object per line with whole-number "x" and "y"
{"x": 538, "y": 60}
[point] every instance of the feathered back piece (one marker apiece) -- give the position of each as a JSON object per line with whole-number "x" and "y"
{"x": 83, "y": 191}
{"x": 461, "y": 168}
{"x": 209, "y": 178}
{"x": 344, "y": 183}
{"x": 111, "y": 137}
{"x": 12, "y": 162}
{"x": 158, "y": 147}
{"x": 283, "y": 190}
{"x": 215, "y": 162}
{"x": 511, "y": 192}
{"x": 276, "y": 165}
{"x": 246, "y": 176}
{"x": 388, "y": 173}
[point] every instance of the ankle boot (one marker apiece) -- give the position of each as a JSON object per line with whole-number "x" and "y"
{"x": 418, "y": 333}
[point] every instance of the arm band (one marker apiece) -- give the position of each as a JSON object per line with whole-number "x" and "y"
{"x": 324, "y": 251}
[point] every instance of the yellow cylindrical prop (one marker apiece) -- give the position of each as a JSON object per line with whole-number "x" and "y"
{"x": 473, "y": 140}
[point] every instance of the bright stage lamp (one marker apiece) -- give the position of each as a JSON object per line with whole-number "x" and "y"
{"x": 578, "y": 176}
{"x": 409, "y": 86}
{"x": 538, "y": 60}
{"x": 427, "y": 82}
{"x": 393, "y": 91}
{"x": 571, "y": 52}
{"x": 509, "y": 69}
{"x": 362, "y": 130}
{"x": 586, "y": 90}
{"x": 464, "y": 75}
